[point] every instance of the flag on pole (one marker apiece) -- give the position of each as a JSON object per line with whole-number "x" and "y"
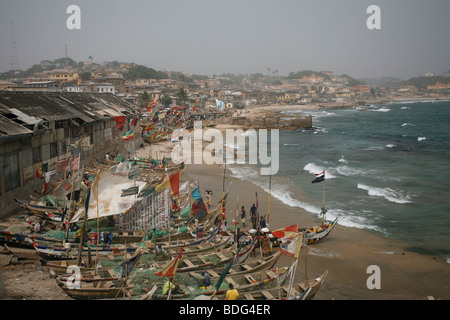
{"x": 199, "y": 209}
{"x": 163, "y": 185}
{"x": 170, "y": 268}
{"x": 175, "y": 183}
{"x": 86, "y": 202}
{"x": 196, "y": 194}
{"x": 39, "y": 172}
{"x": 319, "y": 177}
{"x": 227, "y": 268}
{"x": 292, "y": 248}
{"x": 128, "y": 135}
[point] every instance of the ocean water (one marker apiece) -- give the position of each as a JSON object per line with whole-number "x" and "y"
{"x": 386, "y": 170}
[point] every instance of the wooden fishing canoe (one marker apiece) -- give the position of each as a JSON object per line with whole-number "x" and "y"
{"x": 249, "y": 266}
{"x": 305, "y": 290}
{"x": 266, "y": 279}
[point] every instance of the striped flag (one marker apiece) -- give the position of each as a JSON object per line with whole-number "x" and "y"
{"x": 319, "y": 177}
{"x": 170, "y": 268}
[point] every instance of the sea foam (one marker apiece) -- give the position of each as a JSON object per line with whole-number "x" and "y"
{"x": 386, "y": 193}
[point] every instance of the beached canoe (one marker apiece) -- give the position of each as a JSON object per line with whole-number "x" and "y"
{"x": 305, "y": 290}
{"x": 211, "y": 260}
{"x": 217, "y": 245}
{"x": 96, "y": 290}
{"x": 103, "y": 274}
{"x": 266, "y": 279}
{"x": 249, "y": 266}
{"x": 71, "y": 251}
{"x": 316, "y": 234}
{"x": 24, "y": 240}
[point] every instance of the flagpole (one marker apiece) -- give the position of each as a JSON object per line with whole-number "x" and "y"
{"x": 236, "y": 220}
{"x": 175, "y": 272}
{"x": 295, "y": 262}
{"x": 223, "y": 192}
{"x": 268, "y": 208}
{"x": 98, "y": 222}
{"x": 324, "y": 199}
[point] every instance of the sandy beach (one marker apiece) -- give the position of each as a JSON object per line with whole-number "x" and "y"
{"x": 346, "y": 253}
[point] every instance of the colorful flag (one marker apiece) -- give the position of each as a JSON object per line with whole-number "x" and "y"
{"x": 76, "y": 163}
{"x": 319, "y": 177}
{"x": 128, "y": 265}
{"x": 163, "y": 185}
{"x": 196, "y": 194}
{"x": 86, "y": 202}
{"x": 128, "y": 135}
{"x": 120, "y": 119}
{"x": 39, "y": 172}
{"x": 175, "y": 183}
{"x": 199, "y": 208}
{"x": 170, "y": 268}
{"x": 227, "y": 268}
{"x": 292, "y": 248}
{"x": 287, "y": 232}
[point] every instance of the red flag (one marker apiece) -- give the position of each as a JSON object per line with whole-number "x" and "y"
{"x": 39, "y": 172}
{"x": 170, "y": 268}
{"x": 175, "y": 183}
{"x": 287, "y": 232}
{"x": 120, "y": 119}
{"x": 133, "y": 122}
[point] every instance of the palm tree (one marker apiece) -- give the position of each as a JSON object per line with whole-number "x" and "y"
{"x": 91, "y": 58}
{"x": 182, "y": 96}
{"x": 145, "y": 98}
{"x": 165, "y": 100}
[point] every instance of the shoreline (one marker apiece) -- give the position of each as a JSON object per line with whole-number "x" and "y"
{"x": 346, "y": 253}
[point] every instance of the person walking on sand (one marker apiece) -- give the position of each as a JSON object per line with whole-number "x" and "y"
{"x": 232, "y": 294}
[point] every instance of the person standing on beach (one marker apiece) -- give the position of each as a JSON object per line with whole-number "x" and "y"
{"x": 243, "y": 216}
{"x": 253, "y": 215}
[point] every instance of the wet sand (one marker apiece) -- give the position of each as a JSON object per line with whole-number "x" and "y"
{"x": 346, "y": 253}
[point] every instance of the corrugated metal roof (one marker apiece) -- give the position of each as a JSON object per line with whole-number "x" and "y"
{"x": 9, "y": 127}
{"x": 28, "y": 108}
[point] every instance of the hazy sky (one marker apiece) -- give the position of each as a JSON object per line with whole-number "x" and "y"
{"x": 245, "y": 36}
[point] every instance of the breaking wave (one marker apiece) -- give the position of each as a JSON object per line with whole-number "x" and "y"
{"x": 386, "y": 193}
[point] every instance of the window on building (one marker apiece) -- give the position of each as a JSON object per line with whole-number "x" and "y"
{"x": 37, "y": 155}
{"x": 11, "y": 172}
{"x": 53, "y": 150}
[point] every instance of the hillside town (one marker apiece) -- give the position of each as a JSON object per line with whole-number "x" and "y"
{"x": 138, "y": 84}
